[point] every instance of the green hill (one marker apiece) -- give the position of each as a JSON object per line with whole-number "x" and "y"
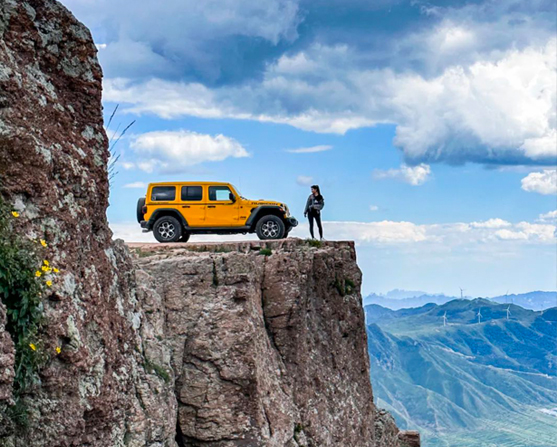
{"x": 458, "y": 380}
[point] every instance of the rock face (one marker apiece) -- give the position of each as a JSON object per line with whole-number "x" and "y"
{"x": 209, "y": 345}
{"x": 267, "y": 350}
{"x": 53, "y": 156}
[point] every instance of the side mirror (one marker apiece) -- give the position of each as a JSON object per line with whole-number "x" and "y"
{"x": 232, "y": 197}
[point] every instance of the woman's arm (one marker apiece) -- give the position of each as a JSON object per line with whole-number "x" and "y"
{"x": 308, "y": 205}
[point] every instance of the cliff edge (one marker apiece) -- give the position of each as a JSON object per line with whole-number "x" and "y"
{"x": 213, "y": 345}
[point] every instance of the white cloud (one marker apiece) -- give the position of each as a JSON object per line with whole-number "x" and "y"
{"x": 543, "y": 233}
{"x": 414, "y": 175}
{"x": 491, "y": 223}
{"x": 500, "y": 110}
{"x": 309, "y": 150}
{"x": 373, "y": 208}
{"x": 550, "y": 216}
{"x": 304, "y": 180}
{"x": 136, "y": 185}
{"x": 544, "y": 182}
{"x": 174, "y": 151}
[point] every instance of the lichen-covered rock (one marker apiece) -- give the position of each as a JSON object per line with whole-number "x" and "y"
{"x": 99, "y": 391}
{"x": 267, "y": 350}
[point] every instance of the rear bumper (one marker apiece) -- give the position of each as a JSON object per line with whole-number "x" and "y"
{"x": 292, "y": 221}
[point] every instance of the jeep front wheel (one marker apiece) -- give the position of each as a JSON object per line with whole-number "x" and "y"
{"x": 270, "y": 227}
{"x": 167, "y": 229}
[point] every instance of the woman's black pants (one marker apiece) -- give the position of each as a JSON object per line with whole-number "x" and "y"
{"x": 317, "y": 217}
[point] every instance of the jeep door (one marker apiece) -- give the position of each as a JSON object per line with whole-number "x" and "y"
{"x": 192, "y": 205}
{"x": 221, "y": 210}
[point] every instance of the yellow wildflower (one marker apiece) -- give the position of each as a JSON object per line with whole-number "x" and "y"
{"x": 15, "y": 214}
{"x": 38, "y": 273}
{"x": 32, "y": 346}
{"x": 43, "y": 242}
{"x": 58, "y": 349}
{"x": 49, "y": 283}
{"x": 45, "y": 262}
{"x": 44, "y": 268}
{"x": 55, "y": 270}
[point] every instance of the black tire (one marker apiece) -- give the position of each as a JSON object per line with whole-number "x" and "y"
{"x": 167, "y": 229}
{"x": 270, "y": 227}
{"x": 185, "y": 237}
{"x": 140, "y": 205}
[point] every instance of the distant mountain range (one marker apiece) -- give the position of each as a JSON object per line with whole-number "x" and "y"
{"x": 464, "y": 383}
{"x": 401, "y": 299}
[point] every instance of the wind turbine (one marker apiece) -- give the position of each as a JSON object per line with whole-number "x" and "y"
{"x": 461, "y": 295}
{"x": 508, "y": 311}
{"x": 445, "y": 319}
{"x": 479, "y": 315}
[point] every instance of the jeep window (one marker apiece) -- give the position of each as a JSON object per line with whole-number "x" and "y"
{"x": 192, "y": 193}
{"x": 163, "y": 193}
{"x": 219, "y": 193}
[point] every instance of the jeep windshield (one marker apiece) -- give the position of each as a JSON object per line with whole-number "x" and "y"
{"x": 238, "y": 192}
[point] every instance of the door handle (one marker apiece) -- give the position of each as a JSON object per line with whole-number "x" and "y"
{"x": 185, "y": 206}
{"x": 211, "y": 206}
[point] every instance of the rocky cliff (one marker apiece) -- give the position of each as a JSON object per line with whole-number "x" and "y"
{"x": 210, "y": 345}
{"x": 267, "y": 342}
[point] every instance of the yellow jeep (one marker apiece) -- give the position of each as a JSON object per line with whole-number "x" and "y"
{"x": 174, "y": 211}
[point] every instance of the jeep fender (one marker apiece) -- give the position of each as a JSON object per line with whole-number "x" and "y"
{"x": 261, "y": 211}
{"x": 167, "y": 212}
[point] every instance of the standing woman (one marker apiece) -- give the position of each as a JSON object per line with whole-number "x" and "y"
{"x": 314, "y": 205}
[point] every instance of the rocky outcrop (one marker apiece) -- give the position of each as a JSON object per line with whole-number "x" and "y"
{"x": 268, "y": 349}
{"x": 213, "y": 345}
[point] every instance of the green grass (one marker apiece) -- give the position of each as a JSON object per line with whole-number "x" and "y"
{"x": 266, "y": 252}
{"x": 314, "y": 243}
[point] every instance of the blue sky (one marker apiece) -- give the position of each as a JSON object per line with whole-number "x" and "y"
{"x": 430, "y": 126}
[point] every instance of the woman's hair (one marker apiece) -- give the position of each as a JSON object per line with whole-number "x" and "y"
{"x": 316, "y": 187}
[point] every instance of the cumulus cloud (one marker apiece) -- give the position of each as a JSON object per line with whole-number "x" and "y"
{"x": 544, "y": 182}
{"x": 373, "y": 208}
{"x": 171, "y": 152}
{"x": 304, "y": 180}
{"x": 413, "y": 175}
{"x": 468, "y": 82}
{"x": 500, "y": 111}
{"x": 310, "y": 150}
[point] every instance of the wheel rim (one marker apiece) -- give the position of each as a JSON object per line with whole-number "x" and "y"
{"x": 167, "y": 230}
{"x": 270, "y": 229}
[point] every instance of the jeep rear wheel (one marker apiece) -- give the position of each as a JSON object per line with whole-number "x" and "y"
{"x": 270, "y": 227}
{"x": 167, "y": 229}
{"x": 185, "y": 237}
